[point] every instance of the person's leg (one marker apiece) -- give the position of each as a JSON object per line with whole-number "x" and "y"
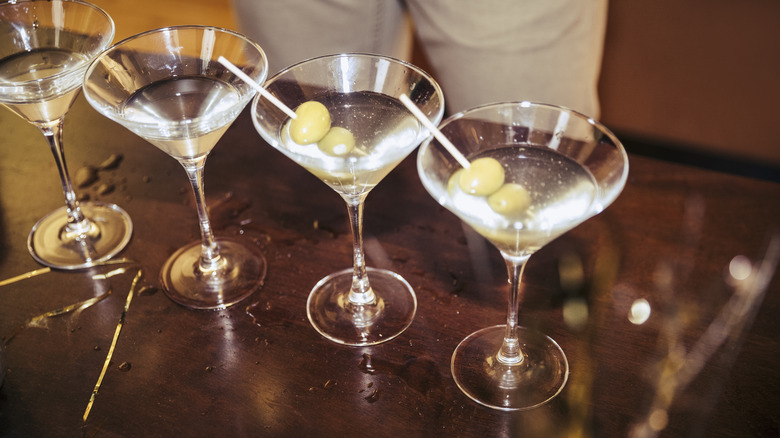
{"x": 290, "y": 31}
{"x": 499, "y": 50}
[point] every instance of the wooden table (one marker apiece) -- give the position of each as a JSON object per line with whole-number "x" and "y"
{"x": 260, "y": 369}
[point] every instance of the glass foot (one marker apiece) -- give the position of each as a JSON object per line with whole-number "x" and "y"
{"x": 332, "y": 315}
{"x": 535, "y": 381}
{"x": 52, "y": 245}
{"x": 241, "y": 273}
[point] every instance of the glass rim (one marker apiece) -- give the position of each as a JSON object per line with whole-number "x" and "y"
{"x": 176, "y": 27}
{"x": 530, "y": 104}
{"x": 368, "y": 55}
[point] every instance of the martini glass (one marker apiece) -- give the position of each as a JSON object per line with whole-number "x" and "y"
{"x": 560, "y": 168}
{"x": 167, "y": 86}
{"x": 359, "y": 305}
{"x": 45, "y": 47}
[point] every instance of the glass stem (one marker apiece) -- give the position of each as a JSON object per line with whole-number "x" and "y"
{"x": 510, "y": 352}
{"x": 77, "y": 222}
{"x": 209, "y": 258}
{"x": 360, "y": 294}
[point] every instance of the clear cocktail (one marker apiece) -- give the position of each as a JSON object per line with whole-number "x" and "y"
{"x": 535, "y": 171}
{"x": 168, "y": 87}
{"x": 351, "y": 130}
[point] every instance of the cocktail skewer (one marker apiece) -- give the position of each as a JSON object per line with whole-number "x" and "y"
{"x": 462, "y": 160}
{"x": 243, "y": 76}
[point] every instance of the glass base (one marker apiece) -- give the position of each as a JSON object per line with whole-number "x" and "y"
{"x": 52, "y": 245}
{"x": 533, "y": 382}
{"x": 332, "y": 315}
{"x": 242, "y": 272}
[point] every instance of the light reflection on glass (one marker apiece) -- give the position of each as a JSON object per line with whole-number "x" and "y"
{"x": 659, "y": 419}
{"x": 575, "y": 313}
{"x": 740, "y": 268}
{"x": 640, "y": 311}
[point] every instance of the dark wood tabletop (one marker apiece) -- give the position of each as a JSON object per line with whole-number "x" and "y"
{"x": 704, "y": 363}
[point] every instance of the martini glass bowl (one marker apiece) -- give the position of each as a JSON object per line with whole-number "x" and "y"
{"x": 45, "y": 47}
{"x": 559, "y": 169}
{"x": 373, "y": 133}
{"x": 168, "y": 87}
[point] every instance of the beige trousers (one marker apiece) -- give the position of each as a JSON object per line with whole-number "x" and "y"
{"x": 480, "y": 51}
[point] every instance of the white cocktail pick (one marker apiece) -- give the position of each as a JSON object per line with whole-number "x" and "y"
{"x": 235, "y": 70}
{"x": 435, "y": 131}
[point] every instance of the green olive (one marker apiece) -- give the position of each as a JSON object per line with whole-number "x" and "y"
{"x": 311, "y": 124}
{"x": 453, "y": 183}
{"x": 483, "y": 177}
{"x": 511, "y": 199}
{"x": 338, "y": 142}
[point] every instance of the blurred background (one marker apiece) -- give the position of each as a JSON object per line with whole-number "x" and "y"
{"x": 693, "y": 81}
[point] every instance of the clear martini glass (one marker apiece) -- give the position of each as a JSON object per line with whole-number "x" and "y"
{"x": 45, "y": 47}
{"x": 360, "y": 92}
{"x": 168, "y": 87}
{"x": 559, "y": 169}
